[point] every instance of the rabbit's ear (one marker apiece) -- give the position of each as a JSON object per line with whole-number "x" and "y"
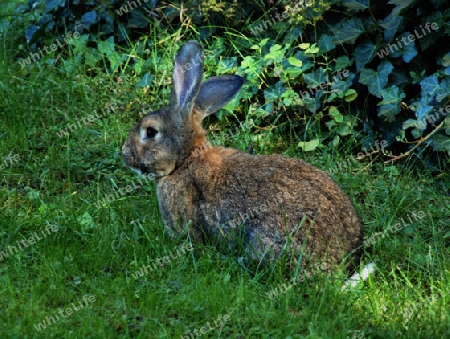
{"x": 216, "y": 92}
{"x": 186, "y": 78}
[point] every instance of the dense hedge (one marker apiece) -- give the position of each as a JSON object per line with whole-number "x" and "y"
{"x": 335, "y": 68}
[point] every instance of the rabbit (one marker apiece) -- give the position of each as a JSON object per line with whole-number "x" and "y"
{"x": 272, "y": 206}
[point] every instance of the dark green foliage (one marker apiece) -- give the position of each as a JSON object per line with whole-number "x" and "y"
{"x": 399, "y": 83}
{"x": 101, "y": 18}
{"x": 320, "y": 70}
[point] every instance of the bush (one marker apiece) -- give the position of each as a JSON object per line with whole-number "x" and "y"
{"x": 398, "y": 85}
{"x": 327, "y": 70}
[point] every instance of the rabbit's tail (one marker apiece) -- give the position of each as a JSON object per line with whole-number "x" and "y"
{"x": 356, "y": 278}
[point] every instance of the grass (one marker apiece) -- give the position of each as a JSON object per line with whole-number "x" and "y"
{"x": 96, "y": 251}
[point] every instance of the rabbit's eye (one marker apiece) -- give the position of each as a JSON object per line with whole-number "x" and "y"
{"x": 151, "y": 132}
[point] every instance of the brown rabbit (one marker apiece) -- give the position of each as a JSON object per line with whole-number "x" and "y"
{"x": 274, "y": 205}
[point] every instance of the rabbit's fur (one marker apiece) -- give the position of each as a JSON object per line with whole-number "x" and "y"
{"x": 271, "y": 203}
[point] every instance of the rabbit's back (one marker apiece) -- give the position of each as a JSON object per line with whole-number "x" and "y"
{"x": 274, "y": 202}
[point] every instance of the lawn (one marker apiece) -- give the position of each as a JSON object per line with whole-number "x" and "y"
{"x": 82, "y": 256}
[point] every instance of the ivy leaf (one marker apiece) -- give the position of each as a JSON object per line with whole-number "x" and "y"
{"x": 375, "y": 81}
{"x": 344, "y": 129}
{"x": 447, "y": 123}
{"x": 289, "y": 97}
{"x": 412, "y": 123}
{"x": 427, "y": 39}
{"x": 293, "y": 72}
{"x": 339, "y": 87}
{"x": 390, "y": 105}
{"x": 292, "y": 35}
{"x": 314, "y": 79}
{"x": 342, "y": 62}
{"x": 276, "y": 53}
{"x": 335, "y": 114}
{"x": 422, "y": 112}
{"x": 446, "y": 60}
{"x": 356, "y": 5}
{"x": 391, "y": 23}
{"x": 86, "y": 222}
{"x": 250, "y": 64}
{"x": 430, "y": 86}
{"x": 444, "y": 90}
{"x": 247, "y": 91}
{"x": 80, "y": 44}
{"x": 306, "y": 61}
{"x": 313, "y": 104}
{"x": 313, "y": 49}
{"x": 367, "y": 77}
{"x": 295, "y": 62}
{"x": 350, "y": 95}
{"x": 261, "y": 112}
{"x": 364, "y": 53}
{"x": 30, "y": 31}
{"x": 416, "y": 133}
{"x": 92, "y": 56}
{"x": 398, "y": 77}
{"x": 326, "y": 43}
{"x": 145, "y": 81}
{"x": 407, "y": 50}
{"x": 348, "y": 30}
{"x": 441, "y": 142}
{"x": 292, "y": 69}
{"x": 307, "y": 146}
{"x": 304, "y": 45}
{"x": 89, "y": 18}
{"x": 115, "y": 60}
{"x": 50, "y": 5}
{"x": 335, "y": 141}
{"x": 137, "y": 20}
{"x": 226, "y": 65}
{"x": 106, "y": 47}
{"x": 274, "y": 92}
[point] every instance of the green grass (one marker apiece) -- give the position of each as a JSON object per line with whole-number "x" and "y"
{"x": 96, "y": 251}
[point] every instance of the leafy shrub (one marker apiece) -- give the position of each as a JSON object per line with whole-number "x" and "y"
{"x": 399, "y": 85}
{"x": 128, "y": 18}
{"x": 327, "y": 70}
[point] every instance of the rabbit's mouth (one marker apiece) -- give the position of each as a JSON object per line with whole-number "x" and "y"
{"x": 154, "y": 171}
{"x": 143, "y": 169}
{"x": 135, "y": 170}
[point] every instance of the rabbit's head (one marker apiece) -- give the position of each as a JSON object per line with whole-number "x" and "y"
{"x": 163, "y": 140}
